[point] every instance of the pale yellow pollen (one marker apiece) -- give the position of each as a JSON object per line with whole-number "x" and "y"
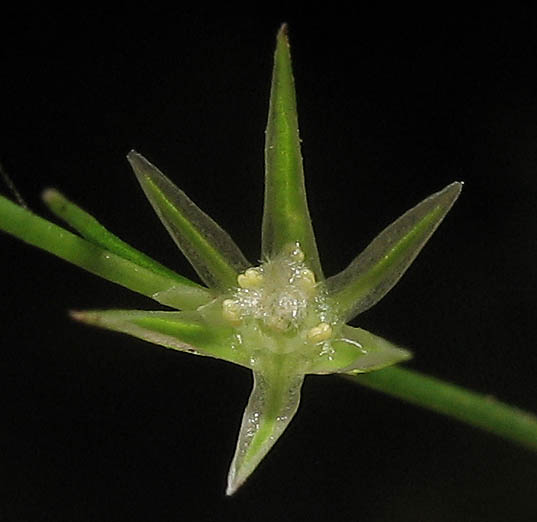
{"x": 306, "y": 281}
{"x": 252, "y": 278}
{"x": 231, "y": 310}
{"x": 319, "y": 333}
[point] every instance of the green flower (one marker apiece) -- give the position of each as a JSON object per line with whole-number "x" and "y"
{"x": 281, "y": 318}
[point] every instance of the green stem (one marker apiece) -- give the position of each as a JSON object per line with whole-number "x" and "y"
{"x": 476, "y": 409}
{"x": 89, "y": 228}
{"x": 43, "y": 234}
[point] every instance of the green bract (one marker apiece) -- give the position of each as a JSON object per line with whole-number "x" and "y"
{"x": 282, "y": 319}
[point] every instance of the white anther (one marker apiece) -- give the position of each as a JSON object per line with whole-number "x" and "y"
{"x": 297, "y": 255}
{"x": 307, "y": 276}
{"x": 231, "y": 310}
{"x": 319, "y": 333}
{"x": 252, "y": 278}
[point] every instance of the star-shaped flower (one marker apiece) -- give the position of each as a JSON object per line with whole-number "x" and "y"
{"x": 282, "y": 319}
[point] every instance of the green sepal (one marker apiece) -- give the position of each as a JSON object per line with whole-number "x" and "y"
{"x": 48, "y": 236}
{"x": 286, "y": 219}
{"x": 376, "y": 270}
{"x": 210, "y": 250}
{"x": 183, "y": 331}
{"x": 356, "y": 350}
{"x": 273, "y": 403}
{"x": 88, "y": 227}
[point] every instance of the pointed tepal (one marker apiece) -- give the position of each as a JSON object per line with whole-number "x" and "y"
{"x": 210, "y": 250}
{"x": 286, "y": 218}
{"x": 272, "y": 405}
{"x": 378, "y": 268}
{"x": 183, "y": 331}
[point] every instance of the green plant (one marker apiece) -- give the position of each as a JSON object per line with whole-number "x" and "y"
{"x": 281, "y": 319}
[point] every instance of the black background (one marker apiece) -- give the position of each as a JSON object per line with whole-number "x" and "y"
{"x": 393, "y": 106}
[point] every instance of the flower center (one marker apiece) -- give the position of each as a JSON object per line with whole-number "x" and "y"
{"x": 280, "y": 296}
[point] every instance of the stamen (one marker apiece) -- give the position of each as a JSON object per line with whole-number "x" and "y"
{"x": 308, "y": 277}
{"x": 320, "y": 333}
{"x": 252, "y": 278}
{"x": 296, "y": 254}
{"x": 231, "y": 310}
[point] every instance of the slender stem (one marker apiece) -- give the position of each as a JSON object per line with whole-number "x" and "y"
{"x": 89, "y": 228}
{"x": 43, "y": 234}
{"x": 476, "y": 409}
